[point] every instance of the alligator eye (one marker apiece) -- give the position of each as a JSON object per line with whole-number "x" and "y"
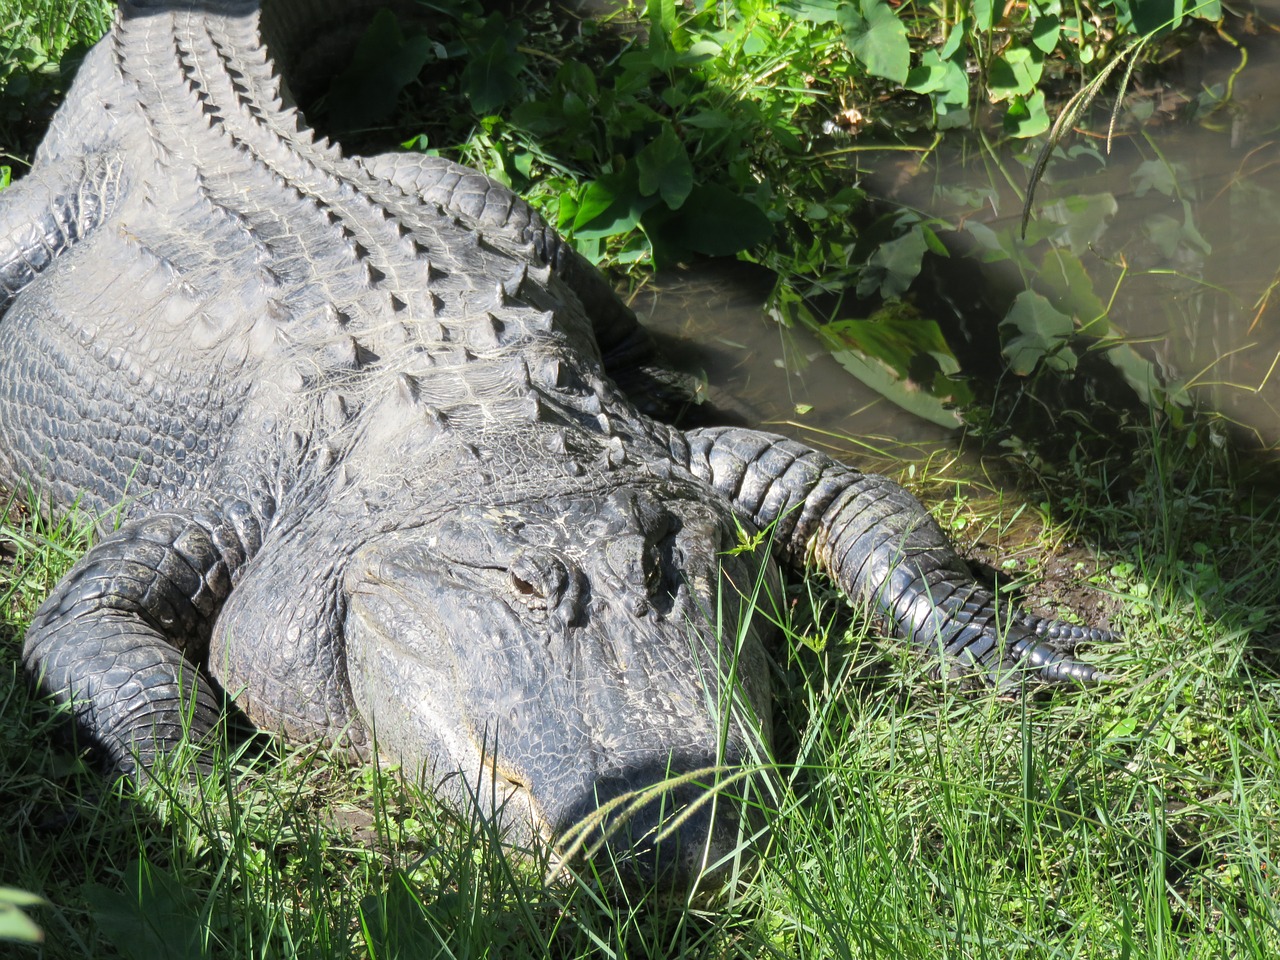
{"x": 539, "y": 579}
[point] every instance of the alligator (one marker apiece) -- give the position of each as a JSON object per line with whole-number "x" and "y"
{"x": 371, "y": 447}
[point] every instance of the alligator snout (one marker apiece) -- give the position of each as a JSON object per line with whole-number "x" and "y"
{"x": 680, "y": 832}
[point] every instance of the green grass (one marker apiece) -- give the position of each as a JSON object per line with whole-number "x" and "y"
{"x": 916, "y": 820}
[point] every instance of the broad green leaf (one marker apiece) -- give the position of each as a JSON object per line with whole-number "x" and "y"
{"x": 713, "y": 221}
{"x": 1045, "y": 32}
{"x": 709, "y": 119}
{"x": 1152, "y": 15}
{"x": 812, "y": 11}
{"x": 1153, "y": 175}
{"x": 662, "y": 14}
{"x": 954, "y": 42}
{"x": 665, "y": 168}
{"x": 903, "y": 393}
{"x": 882, "y": 44}
{"x": 156, "y": 916}
{"x": 983, "y": 14}
{"x": 491, "y": 76}
{"x": 1170, "y": 236}
{"x": 1026, "y": 116}
{"x": 894, "y": 265}
{"x": 1042, "y": 335}
{"x": 1015, "y": 73}
{"x": 384, "y": 63}
{"x": 1065, "y": 281}
{"x": 930, "y": 75}
{"x": 1085, "y": 218}
{"x": 606, "y": 206}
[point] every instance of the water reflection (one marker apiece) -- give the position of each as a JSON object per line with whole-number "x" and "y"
{"x": 714, "y": 321}
{"x": 1167, "y": 248}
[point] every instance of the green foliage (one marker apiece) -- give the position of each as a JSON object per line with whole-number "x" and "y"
{"x": 15, "y": 925}
{"x": 41, "y": 43}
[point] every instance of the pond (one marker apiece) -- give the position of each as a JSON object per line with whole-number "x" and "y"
{"x": 1162, "y": 252}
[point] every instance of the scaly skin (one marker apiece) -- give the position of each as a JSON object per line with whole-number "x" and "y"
{"x": 363, "y": 423}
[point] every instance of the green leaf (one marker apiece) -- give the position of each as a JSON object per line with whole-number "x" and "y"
{"x": 156, "y": 916}
{"x": 930, "y": 76}
{"x": 881, "y": 45}
{"x": 1026, "y": 116}
{"x": 1150, "y": 16}
{"x": 905, "y": 394}
{"x": 954, "y": 43}
{"x": 661, "y": 14}
{"x": 384, "y": 63}
{"x": 665, "y": 168}
{"x": 812, "y": 11}
{"x": 1015, "y": 73}
{"x": 1042, "y": 335}
{"x": 1085, "y": 218}
{"x": 1045, "y": 32}
{"x": 1063, "y": 278}
{"x": 983, "y": 14}
{"x": 1153, "y": 175}
{"x": 894, "y": 265}
{"x": 491, "y": 77}
{"x": 608, "y": 206}
{"x": 14, "y": 924}
{"x": 713, "y": 221}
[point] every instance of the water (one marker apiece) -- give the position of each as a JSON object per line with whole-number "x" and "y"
{"x": 714, "y": 320}
{"x": 1168, "y": 249}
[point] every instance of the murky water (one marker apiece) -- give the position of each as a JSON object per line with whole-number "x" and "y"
{"x": 713, "y": 321}
{"x": 1168, "y": 248}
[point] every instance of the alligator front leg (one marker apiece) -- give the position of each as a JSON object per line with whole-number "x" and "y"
{"x": 121, "y": 636}
{"x": 882, "y": 547}
{"x": 46, "y": 212}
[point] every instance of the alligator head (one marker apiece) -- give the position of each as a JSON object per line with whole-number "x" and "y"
{"x": 565, "y": 659}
